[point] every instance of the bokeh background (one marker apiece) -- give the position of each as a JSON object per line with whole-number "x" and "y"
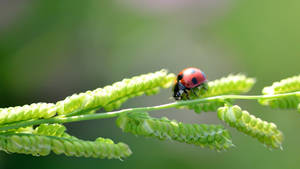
{"x": 50, "y": 49}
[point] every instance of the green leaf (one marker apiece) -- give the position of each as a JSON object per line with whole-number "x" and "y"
{"x": 39, "y": 145}
{"x": 113, "y": 96}
{"x": 50, "y": 130}
{"x": 265, "y": 132}
{"x": 27, "y": 112}
{"x": 212, "y": 136}
{"x": 287, "y": 85}
{"x": 232, "y": 84}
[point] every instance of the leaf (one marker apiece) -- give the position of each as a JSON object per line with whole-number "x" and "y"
{"x": 39, "y": 145}
{"x": 27, "y": 112}
{"x": 113, "y": 96}
{"x": 212, "y": 136}
{"x": 264, "y": 131}
{"x": 287, "y": 85}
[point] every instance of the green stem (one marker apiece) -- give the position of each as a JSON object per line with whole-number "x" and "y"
{"x": 64, "y": 119}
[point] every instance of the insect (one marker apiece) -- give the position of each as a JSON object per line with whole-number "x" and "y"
{"x": 188, "y": 79}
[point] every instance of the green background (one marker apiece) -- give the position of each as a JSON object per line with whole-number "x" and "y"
{"x": 51, "y": 49}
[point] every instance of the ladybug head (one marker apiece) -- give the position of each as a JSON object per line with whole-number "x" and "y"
{"x": 179, "y": 77}
{"x": 178, "y": 90}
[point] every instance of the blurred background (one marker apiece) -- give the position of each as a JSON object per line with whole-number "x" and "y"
{"x": 50, "y": 49}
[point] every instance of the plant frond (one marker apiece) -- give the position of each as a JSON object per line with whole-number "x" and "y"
{"x": 111, "y": 97}
{"x": 287, "y": 85}
{"x": 209, "y": 106}
{"x": 212, "y": 136}
{"x": 38, "y": 145}
{"x": 267, "y": 133}
{"x": 27, "y": 112}
{"x": 286, "y": 102}
{"x": 28, "y": 129}
{"x": 50, "y": 130}
{"x": 232, "y": 84}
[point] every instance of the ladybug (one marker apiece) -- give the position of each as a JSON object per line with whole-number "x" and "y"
{"x": 188, "y": 79}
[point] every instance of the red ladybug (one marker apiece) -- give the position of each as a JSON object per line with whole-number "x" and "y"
{"x": 188, "y": 79}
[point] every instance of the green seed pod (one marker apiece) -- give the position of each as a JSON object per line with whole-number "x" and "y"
{"x": 212, "y": 136}
{"x": 112, "y": 97}
{"x": 42, "y": 145}
{"x": 265, "y": 132}
{"x": 27, "y": 112}
{"x": 50, "y": 130}
{"x": 232, "y": 84}
{"x": 291, "y": 84}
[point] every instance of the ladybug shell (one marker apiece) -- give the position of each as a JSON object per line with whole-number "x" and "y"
{"x": 191, "y": 77}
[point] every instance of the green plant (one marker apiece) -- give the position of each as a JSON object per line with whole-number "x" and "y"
{"x": 37, "y": 129}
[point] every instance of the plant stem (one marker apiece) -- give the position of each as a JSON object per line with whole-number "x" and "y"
{"x": 66, "y": 119}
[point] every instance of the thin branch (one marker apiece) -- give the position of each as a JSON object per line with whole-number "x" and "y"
{"x": 64, "y": 119}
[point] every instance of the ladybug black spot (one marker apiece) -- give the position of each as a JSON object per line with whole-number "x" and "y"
{"x": 194, "y": 80}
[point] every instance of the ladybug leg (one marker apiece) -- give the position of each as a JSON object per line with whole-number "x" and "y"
{"x": 187, "y": 94}
{"x": 178, "y": 95}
